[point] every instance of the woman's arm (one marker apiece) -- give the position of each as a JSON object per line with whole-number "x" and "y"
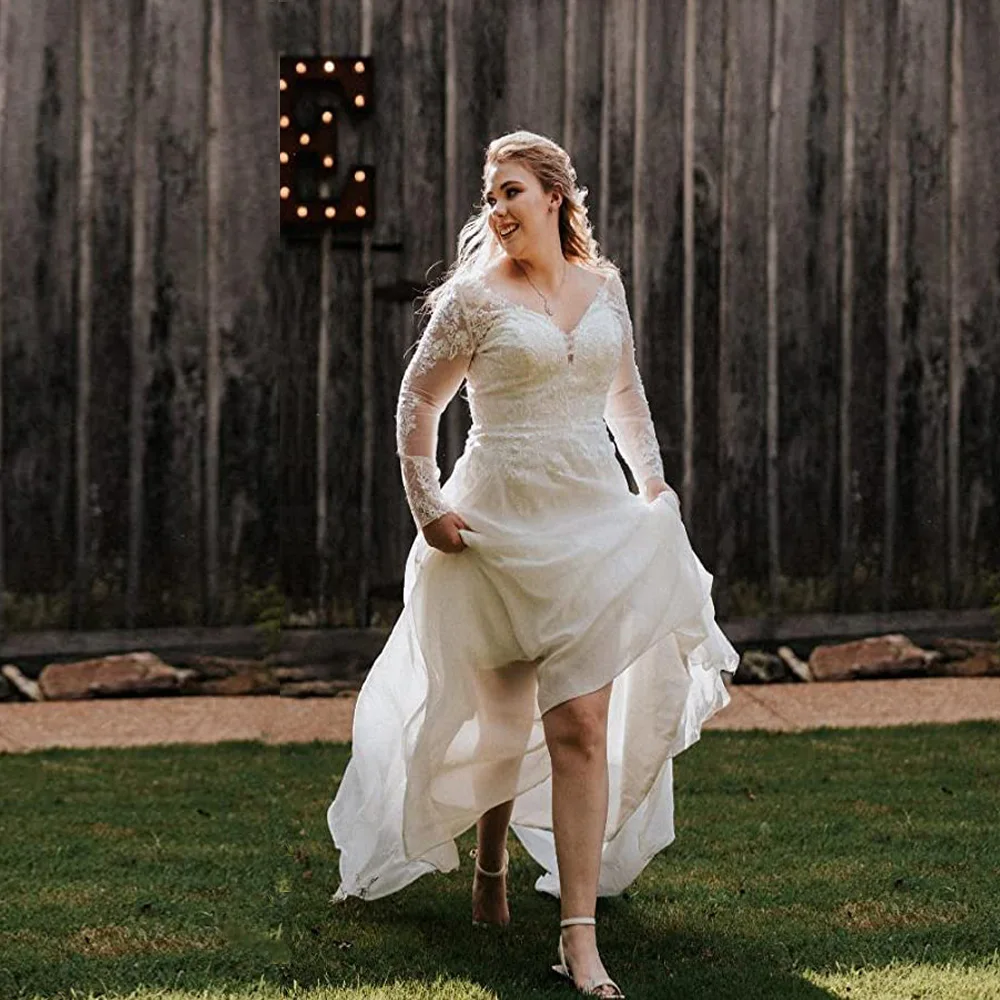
{"x": 626, "y": 410}
{"x": 431, "y": 379}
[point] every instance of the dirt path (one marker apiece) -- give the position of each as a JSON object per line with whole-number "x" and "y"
{"x": 146, "y": 721}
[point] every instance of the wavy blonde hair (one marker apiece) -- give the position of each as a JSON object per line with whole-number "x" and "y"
{"x": 551, "y": 165}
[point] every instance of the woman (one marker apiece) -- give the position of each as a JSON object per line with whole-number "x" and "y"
{"x": 557, "y": 644}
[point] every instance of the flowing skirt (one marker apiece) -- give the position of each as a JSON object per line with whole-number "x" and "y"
{"x": 568, "y": 582}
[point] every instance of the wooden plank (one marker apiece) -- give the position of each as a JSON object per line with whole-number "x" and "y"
{"x": 706, "y": 186}
{"x": 921, "y": 223}
{"x": 868, "y": 304}
{"x": 534, "y": 51}
{"x": 582, "y": 94}
{"x": 214, "y": 117}
{"x": 978, "y": 303}
{"x": 803, "y": 294}
{"x": 848, "y": 207}
{"x": 657, "y": 251}
{"x": 956, "y": 138}
{"x": 617, "y": 153}
{"x": 243, "y": 299}
{"x": 5, "y": 60}
{"x": 742, "y": 518}
{"x": 40, "y": 174}
{"x": 687, "y": 334}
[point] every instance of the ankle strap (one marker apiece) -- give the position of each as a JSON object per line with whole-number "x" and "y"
{"x": 474, "y": 854}
{"x": 572, "y": 921}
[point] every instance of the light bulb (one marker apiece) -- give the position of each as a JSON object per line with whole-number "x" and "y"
{"x": 329, "y": 66}
{"x": 360, "y": 211}
{"x": 302, "y": 211}
{"x": 328, "y": 161}
{"x": 285, "y": 192}
{"x": 300, "y": 67}
{"x": 283, "y": 157}
{"x": 283, "y": 84}
{"x": 359, "y": 67}
{"x": 327, "y": 117}
{"x": 284, "y": 121}
{"x": 304, "y": 139}
{"x": 359, "y": 175}
{"x": 359, "y": 101}
{"x": 331, "y": 212}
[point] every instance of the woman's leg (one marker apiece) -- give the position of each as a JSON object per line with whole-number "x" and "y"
{"x": 576, "y": 734}
{"x": 506, "y": 709}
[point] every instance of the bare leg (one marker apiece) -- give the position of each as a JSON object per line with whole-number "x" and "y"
{"x": 576, "y": 734}
{"x": 507, "y": 711}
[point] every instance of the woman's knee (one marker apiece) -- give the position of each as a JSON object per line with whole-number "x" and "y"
{"x": 578, "y": 729}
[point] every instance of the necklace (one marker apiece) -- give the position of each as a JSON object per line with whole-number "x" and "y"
{"x": 545, "y": 301}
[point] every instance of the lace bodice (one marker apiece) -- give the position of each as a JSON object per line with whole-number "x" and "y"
{"x": 527, "y": 379}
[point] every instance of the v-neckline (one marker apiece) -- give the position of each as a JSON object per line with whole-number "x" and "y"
{"x": 568, "y": 335}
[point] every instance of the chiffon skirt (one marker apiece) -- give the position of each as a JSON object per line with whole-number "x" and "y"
{"x": 568, "y": 582}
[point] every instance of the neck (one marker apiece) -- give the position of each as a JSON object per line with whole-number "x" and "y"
{"x": 546, "y": 266}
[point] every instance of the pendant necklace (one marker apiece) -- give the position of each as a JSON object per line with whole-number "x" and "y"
{"x": 545, "y": 301}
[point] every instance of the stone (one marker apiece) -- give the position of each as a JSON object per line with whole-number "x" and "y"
{"x": 759, "y": 667}
{"x": 218, "y": 667}
{"x": 798, "y": 668}
{"x": 967, "y": 657}
{"x": 247, "y": 682}
{"x": 882, "y": 656}
{"x": 319, "y": 689}
{"x": 24, "y": 685}
{"x": 127, "y": 675}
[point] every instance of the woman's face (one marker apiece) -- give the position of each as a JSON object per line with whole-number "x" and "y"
{"x": 520, "y": 209}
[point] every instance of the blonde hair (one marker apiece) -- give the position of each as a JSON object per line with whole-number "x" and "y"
{"x": 551, "y": 165}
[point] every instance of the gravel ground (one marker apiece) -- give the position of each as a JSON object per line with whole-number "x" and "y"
{"x": 146, "y": 721}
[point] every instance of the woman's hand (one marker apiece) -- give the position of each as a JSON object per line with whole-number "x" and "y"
{"x": 655, "y": 486}
{"x": 442, "y": 532}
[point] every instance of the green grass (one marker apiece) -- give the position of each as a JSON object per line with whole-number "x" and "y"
{"x": 852, "y": 864}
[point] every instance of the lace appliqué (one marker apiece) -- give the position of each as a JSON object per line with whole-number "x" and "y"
{"x": 421, "y": 480}
{"x": 633, "y": 429}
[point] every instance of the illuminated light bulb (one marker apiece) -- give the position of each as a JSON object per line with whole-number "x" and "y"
{"x": 327, "y": 161}
{"x": 360, "y": 211}
{"x": 283, "y": 84}
{"x": 329, "y": 66}
{"x": 331, "y": 213}
{"x": 286, "y": 192}
{"x": 359, "y": 101}
{"x": 283, "y": 157}
{"x": 304, "y": 139}
{"x": 302, "y": 211}
{"x": 300, "y": 67}
{"x": 327, "y": 117}
{"x": 359, "y": 67}
{"x": 284, "y": 121}
{"x": 359, "y": 175}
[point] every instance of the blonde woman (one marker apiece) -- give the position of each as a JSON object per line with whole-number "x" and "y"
{"x": 557, "y": 646}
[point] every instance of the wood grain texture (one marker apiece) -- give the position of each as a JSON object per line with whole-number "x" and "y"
{"x": 921, "y": 224}
{"x": 40, "y": 171}
{"x": 743, "y": 299}
{"x": 5, "y": 61}
{"x": 805, "y": 434}
{"x": 978, "y": 300}
{"x": 657, "y": 251}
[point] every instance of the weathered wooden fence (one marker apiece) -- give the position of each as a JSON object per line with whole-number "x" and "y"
{"x": 801, "y": 196}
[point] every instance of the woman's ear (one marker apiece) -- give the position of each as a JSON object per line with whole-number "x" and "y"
{"x": 555, "y": 200}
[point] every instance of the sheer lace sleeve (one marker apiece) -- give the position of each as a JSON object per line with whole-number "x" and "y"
{"x": 431, "y": 379}
{"x": 626, "y": 409}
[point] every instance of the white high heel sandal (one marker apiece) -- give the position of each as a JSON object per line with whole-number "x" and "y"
{"x": 474, "y": 854}
{"x": 592, "y": 986}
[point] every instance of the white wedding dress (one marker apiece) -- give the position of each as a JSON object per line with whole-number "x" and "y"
{"x": 569, "y": 581}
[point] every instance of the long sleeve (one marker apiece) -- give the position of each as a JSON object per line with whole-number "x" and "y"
{"x": 432, "y": 377}
{"x": 626, "y": 410}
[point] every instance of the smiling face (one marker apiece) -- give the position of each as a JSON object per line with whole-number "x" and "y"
{"x": 522, "y": 213}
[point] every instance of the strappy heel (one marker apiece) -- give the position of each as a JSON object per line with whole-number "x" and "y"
{"x": 592, "y": 986}
{"x": 474, "y": 854}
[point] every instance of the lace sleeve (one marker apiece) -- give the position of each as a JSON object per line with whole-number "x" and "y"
{"x": 431, "y": 379}
{"x": 626, "y": 409}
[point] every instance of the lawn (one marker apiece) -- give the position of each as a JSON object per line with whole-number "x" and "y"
{"x": 850, "y": 864}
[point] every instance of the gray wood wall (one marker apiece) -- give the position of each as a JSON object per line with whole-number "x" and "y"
{"x": 801, "y": 195}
